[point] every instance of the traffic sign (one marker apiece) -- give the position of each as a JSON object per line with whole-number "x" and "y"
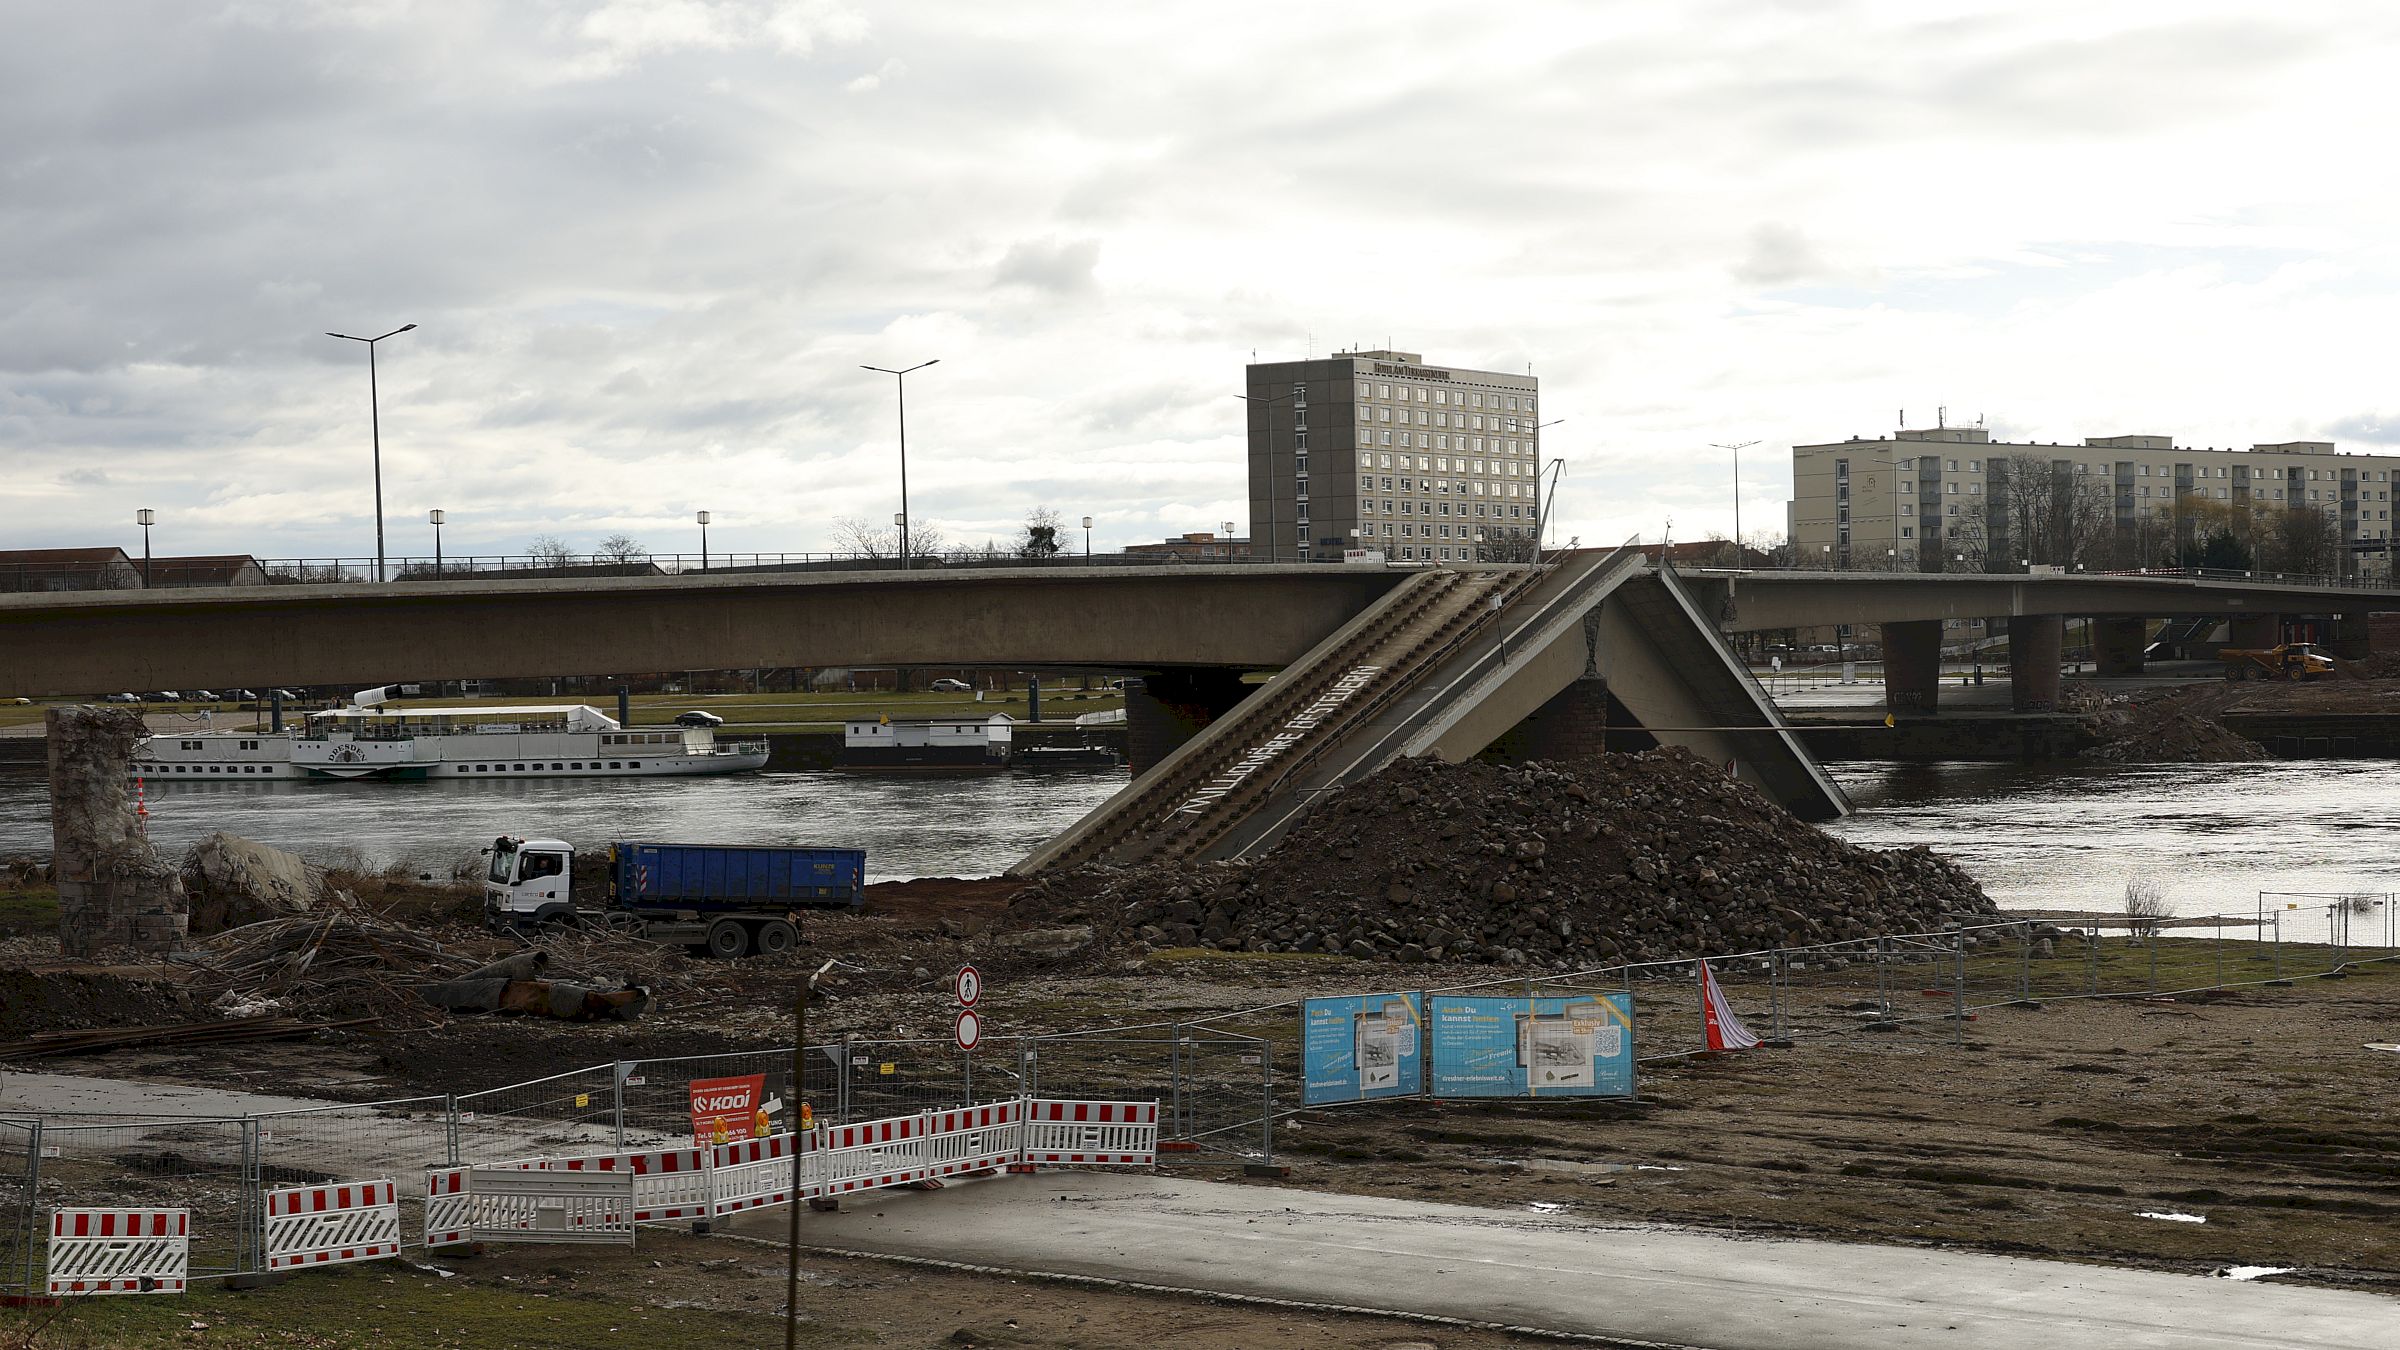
{"x": 968, "y": 986}
{"x": 969, "y": 1030}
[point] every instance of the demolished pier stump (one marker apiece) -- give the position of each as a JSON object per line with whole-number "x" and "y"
{"x": 114, "y": 891}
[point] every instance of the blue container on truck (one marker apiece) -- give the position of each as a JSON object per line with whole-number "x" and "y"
{"x": 712, "y": 878}
{"x": 726, "y": 900}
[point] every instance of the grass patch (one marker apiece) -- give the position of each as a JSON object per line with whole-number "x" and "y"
{"x": 390, "y": 1308}
{"x": 32, "y": 910}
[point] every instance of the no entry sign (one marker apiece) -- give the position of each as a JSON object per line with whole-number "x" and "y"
{"x": 969, "y": 1029}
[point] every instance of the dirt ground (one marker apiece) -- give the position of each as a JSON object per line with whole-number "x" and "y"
{"x": 2050, "y": 1131}
{"x": 676, "y": 1291}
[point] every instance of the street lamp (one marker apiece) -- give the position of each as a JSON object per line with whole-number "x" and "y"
{"x": 375, "y": 421}
{"x": 1273, "y": 549}
{"x": 435, "y": 518}
{"x": 1087, "y": 539}
{"x": 900, "y": 381}
{"x": 1737, "y": 447}
{"x": 703, "y": 518}
{"x": 1228, "y": 537}
{"x": 145, "y": 517}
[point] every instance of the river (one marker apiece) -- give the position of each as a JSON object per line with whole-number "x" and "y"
{"x": 2052, "y": 836}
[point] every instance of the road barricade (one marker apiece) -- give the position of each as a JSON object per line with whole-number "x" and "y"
{"x": 1091, "y": 1134}
{"x": 332, "y": 1225}
{"x": 750, "y": 1174}
{"x": 446, "y": 1207}
{"x": 119, "y": 1251}
{"x": 869, "y": 1156}
{"x": 972, "y": 1138}
{"x": 531, "y": 1204}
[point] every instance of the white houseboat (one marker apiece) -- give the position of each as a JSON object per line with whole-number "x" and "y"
{"x": 548, "y": 741}
{"x": 927, "y": 742}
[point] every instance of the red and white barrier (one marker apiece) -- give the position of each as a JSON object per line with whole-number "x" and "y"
{"x": 332, "y": 1225}
{"x": 119, "y": 1251}
{"x": 750, "y": 1174}
{"x": 669, "y": 1184}
{"x": 446, "y": 1207}
{"x": 869, "y": 1156}
{"x": 1091, "y": 1134}
{"x": 972, "y": 1138}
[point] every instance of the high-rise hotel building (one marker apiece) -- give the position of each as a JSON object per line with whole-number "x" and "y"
{"x": 1378, "y": 450}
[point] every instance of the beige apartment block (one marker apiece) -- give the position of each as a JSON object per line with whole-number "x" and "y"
{"x": 1377, "y": 450}
{"x": 1951, "y": 498}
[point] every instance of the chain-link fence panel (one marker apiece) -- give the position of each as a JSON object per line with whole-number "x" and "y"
{"x": 657, "y": 1093}
{"x": 898, "y": 1078}
{"x": 566, "y": 1113}
{"x": 205, "y": 1165}
{"x": 20, "y": 1212}
{"x": 399, "y": 1139}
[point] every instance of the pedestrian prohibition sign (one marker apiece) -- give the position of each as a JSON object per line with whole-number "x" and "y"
{"x": 969, "y": 986}
{"x": 969, "y": 1030}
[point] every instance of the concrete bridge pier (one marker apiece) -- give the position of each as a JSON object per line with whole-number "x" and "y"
{"x": 2351, "y": 640}
{"x": 2036, "y": 644}
{"x": 2117, "y": 645}
{"x": 1173, "y": 706}
{"x": 1912, "y": 666}
{"x": 2254, "y": 631}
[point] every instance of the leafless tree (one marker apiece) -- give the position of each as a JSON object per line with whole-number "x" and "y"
{"x": 855, "y": 537}
{"x": 2145, "y": 906}
{"x": 1041, "y": 534}
{"x": 2049, "y": 513}
{"x": 622, "y": 548}
{"x": 2302, "y": 540}
{"x": 549, "y": 550}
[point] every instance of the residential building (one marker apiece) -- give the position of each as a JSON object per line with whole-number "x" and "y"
{"x": 1951, "y": 498}
{"x": 1200, "y": 546}
{"x": 69, "y": 569}
{"x": 1378, "y": 450}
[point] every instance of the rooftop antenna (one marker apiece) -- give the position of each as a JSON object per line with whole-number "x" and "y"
{"x": 1904, "y": 419}
{"x": 1941, "y": 417}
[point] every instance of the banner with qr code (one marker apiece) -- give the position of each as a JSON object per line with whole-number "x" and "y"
{"x": 1360, "y": 1048}
{"x": 1576, "y": 1046}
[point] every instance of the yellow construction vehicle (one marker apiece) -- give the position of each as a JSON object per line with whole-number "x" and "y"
{"x": 2290, "y": 661}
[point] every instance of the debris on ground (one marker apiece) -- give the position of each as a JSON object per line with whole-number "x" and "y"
{"x": 266, "y": 1028}
{"x": 1617, "y": 857}
{"x": 233, "y": 882}
{"x": 2173, "y": 726}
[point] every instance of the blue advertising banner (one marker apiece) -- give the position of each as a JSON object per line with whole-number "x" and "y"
{"x": 1359, "y": 1048}
{"x": 1581, "y": 1046}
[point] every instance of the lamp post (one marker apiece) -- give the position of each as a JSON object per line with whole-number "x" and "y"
{"x": 1274, "y": 549}
{"x": 1087, "y": 539}
{"x": 375, "y": 421}
{"x": 1228, "y": 541}
{"x": 900, "y": 532}
{"x": 703, "y": 519}
{"x": 791, "y": 1277}
{"x": 435, "y": 518}
{"x": 145, "y": 517}
{"x": 1737, "y": 447}
{"x": 900, "y": 382}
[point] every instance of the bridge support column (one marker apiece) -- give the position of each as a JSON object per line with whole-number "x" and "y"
{"x": 2254, "y": 632}
{"x": 1573, "y": 723}
{"x": 2036, "y": 642}
{"x": 2350, "y": 637}
{"x": 1912, "y": 665}
{"x": 2117, "y": 645}
{"x": 1173, "y": 707}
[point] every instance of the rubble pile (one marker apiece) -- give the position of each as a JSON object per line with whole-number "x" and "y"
{"x": 1612, "y": 858}
{"x": 232, "y": 882}
{"x": 2178, "y": 727}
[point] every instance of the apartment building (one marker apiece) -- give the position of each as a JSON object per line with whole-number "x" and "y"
{"x": 1378, "y": 450}
{"x": 1933, "y": 498}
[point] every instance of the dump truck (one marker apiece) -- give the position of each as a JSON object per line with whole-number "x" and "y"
{"x": 722, "y": 899}
{"x": 2289, "y": 661}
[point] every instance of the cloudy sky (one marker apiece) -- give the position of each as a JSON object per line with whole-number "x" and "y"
{"x": 649, "y": 242}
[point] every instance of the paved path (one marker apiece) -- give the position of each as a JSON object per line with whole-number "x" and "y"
{"x": 1663, "y": 1286}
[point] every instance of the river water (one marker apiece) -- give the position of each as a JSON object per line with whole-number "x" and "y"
{"x": 2056, "y": 836}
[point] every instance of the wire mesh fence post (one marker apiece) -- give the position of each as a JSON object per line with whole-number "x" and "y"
{"x": 450, "y": 1129}
{"x": 2025, "y": 962}
{"x": 1883, "y": 977}
{"x": 2150, "y": 944}
{"x": 1175, "y": 1084}
{"x": 2091, "y": 960}
{"x": 616, "y": 1081}
{"x": 1266, "y": 1117}
{"x": 1958, "y": 985}
{"x": 1775, "y": 980}
{"x": 2219, "y": 946}
{"x": 248, "y": 1206}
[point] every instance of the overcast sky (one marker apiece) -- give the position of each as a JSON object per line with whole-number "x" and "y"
{"x": 648, "y": 243}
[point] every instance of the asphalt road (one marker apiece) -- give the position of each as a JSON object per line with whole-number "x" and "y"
{"x": 1664, "y": 1287}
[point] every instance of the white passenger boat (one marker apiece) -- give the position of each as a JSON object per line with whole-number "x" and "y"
{"x": 546, "y": 741}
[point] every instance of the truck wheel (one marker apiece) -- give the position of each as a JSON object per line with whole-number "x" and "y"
{"x": 727, "y": 938}
{"x": 777, "y": 937}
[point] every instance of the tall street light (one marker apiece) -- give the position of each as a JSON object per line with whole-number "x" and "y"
{"x": 900, "y": 379}
{"x": 1087, "y": 539}
{"x": 375, "y": 417}
{"x": 435, "y": 518}
{"x": 1229, "y": 541}
{"x": 1737, "y": 447}
{"x": 145, "y": 517}
{"x": 703, "y": 518}
{"x": 1273, "y": 552}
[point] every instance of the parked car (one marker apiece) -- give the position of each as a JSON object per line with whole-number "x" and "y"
{"x": 241, "y": 696}
{"x": 200, "y": 696}
{"x": 951, "y": 686}
{"x": 162, "y": 696}
{"x": 697, "y": 718}
{"x": 18, "y": 702}
{"x": 288, "y": 695}
{"x": 120, "y": 698}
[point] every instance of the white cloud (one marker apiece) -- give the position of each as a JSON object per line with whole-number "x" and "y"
{"x": 648, "y": 244}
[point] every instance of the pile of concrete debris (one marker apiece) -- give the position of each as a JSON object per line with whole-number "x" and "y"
{"x": 1608, "y": 859}
{"x": 2177, "y": 726}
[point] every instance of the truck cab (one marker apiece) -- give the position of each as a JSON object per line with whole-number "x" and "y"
{"x": 529, "y": 882}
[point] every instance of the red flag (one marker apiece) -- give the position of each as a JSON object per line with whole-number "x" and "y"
{"x": 1725, "y": 1030}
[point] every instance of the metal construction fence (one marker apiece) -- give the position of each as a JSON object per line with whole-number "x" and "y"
{"x": 1219, "y": 1082}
